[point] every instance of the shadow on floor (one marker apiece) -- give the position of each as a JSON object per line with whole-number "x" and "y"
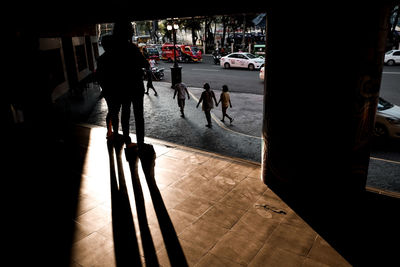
{"x": 363, "y": 228}
{"x": 125, "y": 241}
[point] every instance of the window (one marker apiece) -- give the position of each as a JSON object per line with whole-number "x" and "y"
{"x": 81, "y": 57}
{"x": 53, "y": 67}
{"x": 251, "y": 55}
{"x": 396, "y": 53}
{"x": 383, "y": 104}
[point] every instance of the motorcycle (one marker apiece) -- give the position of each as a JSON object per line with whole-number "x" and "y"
{"x": 217, "y": 55}
{"x": 217, "y": 59}
{"x": 157, "y": 73}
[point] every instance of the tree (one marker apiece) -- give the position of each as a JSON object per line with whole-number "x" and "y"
{"x": 209, "y": 36}
{"x": 224, "y": 21}
{"x": 194, "y": 25}
{"x": 393, "y": 39}
{"x": 166, "y": 35}
{"x": 154, "y": 31}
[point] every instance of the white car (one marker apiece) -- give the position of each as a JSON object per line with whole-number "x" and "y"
{"x": 392, "y": 57}
{"x": 242, "y": 60}
{"x": 262, "y": 73}
{"x": 387, "y": 120}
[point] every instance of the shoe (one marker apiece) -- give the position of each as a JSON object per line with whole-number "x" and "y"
{"x": 183, "y": 115}
{"x": 155, "y": 94}
{"x": 208, "y": 125}
{"x": 231, "y": 120}
{"x": 222, "y": 120}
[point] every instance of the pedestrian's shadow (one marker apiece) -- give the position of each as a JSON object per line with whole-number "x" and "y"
{"x": 175, "y": 253}
{"x": 126, "y": 246}
{"x": 146, "y": 238}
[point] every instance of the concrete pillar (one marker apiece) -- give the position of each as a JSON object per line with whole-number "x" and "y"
{"x": 318, "y": 117}
{"x": 318, "y": 120}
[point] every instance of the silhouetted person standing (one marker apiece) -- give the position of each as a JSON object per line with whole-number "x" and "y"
{"x": 104, "y": 63}
{"x": 126, "y": 70}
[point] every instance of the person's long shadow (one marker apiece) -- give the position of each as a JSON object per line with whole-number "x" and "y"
{"x": 126, "y": 247}
{"x": 147, "y": 241}
{"x": 175, "y": 253}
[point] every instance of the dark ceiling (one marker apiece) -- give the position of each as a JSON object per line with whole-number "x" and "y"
{"x": 77, "y": 13}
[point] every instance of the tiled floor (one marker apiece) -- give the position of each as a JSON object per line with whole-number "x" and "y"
{"x": 222, "y": 215}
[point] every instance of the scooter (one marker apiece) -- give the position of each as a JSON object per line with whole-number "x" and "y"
{"x": 217, "y": 58}
{"x": 158, "y": 74}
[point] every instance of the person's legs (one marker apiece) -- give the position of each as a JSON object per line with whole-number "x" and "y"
{"x": 154, "y": 89}
{"x": 139, "y": 118}
{"x": 226, "y": 114}
{"x": 223, "y": 114}
{"x": 108, "y": 117}
{"x": 208, "y": 117}
{"x": 181, "y": 104}
{"x": 125, "y": 116}
{"x": 113, "y": 113}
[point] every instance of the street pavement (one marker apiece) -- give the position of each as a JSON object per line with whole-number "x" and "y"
{"x": 242, "y": 139}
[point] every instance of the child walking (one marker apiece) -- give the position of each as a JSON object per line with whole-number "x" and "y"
{"x": 207, "y": 98}
{"x": 225, "y": 103}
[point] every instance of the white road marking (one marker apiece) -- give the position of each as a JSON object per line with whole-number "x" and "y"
{"x": 386, "y": 160}
{"x": 222, "y": 125}
{"x": 390, "y": 72}
{"x": 205, "y": 70}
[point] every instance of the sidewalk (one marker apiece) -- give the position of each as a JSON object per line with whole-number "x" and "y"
{"x": 242, "y": 139}
{"x": 221, "y": 212}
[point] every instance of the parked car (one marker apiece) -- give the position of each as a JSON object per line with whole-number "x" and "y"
{"x": 387, "y": 120}
{"x": 242, "y": 60}
{"x": 392, "y": 57}
{"x": 262, "y": 73}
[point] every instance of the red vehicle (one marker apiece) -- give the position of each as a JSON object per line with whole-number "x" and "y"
{"x": 168, "y": 52}
{"x": 151, "y": 52}
{"x": 185, "y": 53}
{"x": 190, "y": 53}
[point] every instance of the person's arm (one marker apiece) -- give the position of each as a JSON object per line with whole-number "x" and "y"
{"x": 230, "y": 102}
{"x": 220, "y": 99}
{"x": 215, "y": 100}
{"x": 176, "y": 91}
{"x": 201, "y": 99}
{"x": 187, "y": 92}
